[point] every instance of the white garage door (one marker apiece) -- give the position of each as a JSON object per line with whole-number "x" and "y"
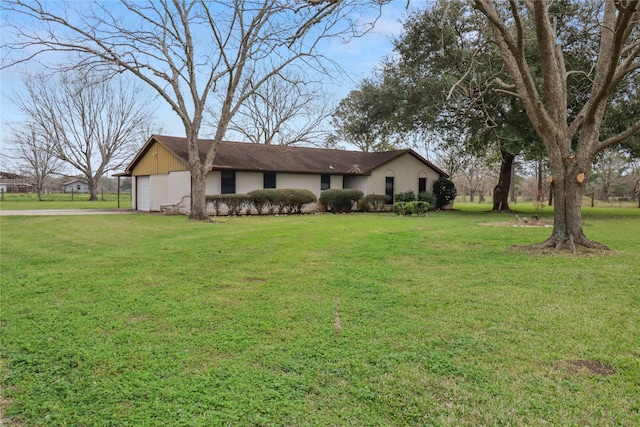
{"x": 143, "y": 193}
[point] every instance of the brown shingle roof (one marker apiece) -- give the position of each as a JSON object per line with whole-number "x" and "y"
{"x": 242, "y": 156}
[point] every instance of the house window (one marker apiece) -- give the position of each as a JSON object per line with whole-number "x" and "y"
{"x": 78, "y": 187}
{"x": 388, "y": 188}
{"x": 325, "y": 182}
{"x": 422, "y": 185}
{"x": 227, "y": 183}
{"x": 269, "y": 180}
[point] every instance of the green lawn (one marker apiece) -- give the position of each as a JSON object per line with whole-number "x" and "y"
{"x": 23, "y": 201}
{"x": 318, "y": 320}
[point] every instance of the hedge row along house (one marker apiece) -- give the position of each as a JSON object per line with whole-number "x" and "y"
{"x": 161, "y": 179}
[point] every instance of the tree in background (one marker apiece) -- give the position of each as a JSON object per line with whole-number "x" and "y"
{"x": 35, "y": 155}
{"x": 285, "y": 110}
{"x": 362, "y": 119}
{"x": 608, "y": 174}
{"x": 186, "y": 51}
{"x": 90, "y": 121}
{"x": 474, "y": 175}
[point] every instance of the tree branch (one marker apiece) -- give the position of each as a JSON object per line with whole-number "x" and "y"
{"x": 630, "y": 131}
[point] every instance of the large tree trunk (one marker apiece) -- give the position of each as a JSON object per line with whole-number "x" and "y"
{"x": 198, "y": 196}
{"x": 567, "y": 232}
{"x": 93, "y": 189}
{"x": 501, "y": 191}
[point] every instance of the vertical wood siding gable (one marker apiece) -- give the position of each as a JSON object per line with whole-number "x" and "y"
{"x": 157, "y": 160}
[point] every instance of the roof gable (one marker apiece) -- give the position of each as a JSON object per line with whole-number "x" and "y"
{"x": 242, "y": 156}
{"x": 74, "y": 181}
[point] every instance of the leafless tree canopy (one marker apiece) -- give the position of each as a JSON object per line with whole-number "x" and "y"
{"x": 286, "y": 110}
{"x": 92, "y": 123}
{"x": 34, "y": 154}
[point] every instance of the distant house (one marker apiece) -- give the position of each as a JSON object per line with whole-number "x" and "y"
{"x": 13, "y": 183}
{"x": 160, "y": 175}
{"x": 75, "y": 186}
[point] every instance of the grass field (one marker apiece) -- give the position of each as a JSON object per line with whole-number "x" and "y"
{"x": 23, "y": 201}
{"x": 319, "y": 320}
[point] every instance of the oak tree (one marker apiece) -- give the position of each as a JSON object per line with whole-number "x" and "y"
{"x": 571, "y": 138}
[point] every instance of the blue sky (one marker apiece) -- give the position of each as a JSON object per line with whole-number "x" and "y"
{"x": 357, "y": 57}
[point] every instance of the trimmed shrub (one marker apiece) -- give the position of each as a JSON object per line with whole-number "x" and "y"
{"x": 373, "y": 202}
{"x": 215, "y": 201}
{"x": 340, "y": 200}
{"x": 261, "y": 199}
{"x": 281, "y": 200}
{"x": 407, "y": 196}
{"x": 420, "y": 208}
{"x": 409, "y": 208}
{"x": 429, "y": 197}
{"x": 363, "y": 206}
{"x": 444, "y": 191}
{"x": 298, "y": 198}
{"x": 234, "y": 202}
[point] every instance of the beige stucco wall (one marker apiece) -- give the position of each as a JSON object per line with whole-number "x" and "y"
{"x": 336, "y": 182}
{"x": 406, "y": 170}
{"x": 179, "y": 186}
{"x": 248, "y": 181}
{"x": 307, "y": 182}
{"x": 159, "y": 189}
{"x": 213, "y": 183}
{"x": 357, "y": 183}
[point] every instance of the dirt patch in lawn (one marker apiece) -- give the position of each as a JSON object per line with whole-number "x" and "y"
{"x": 254, "y": 279}
{"x": 587, "y": 366}
{"x": 521, "y": 222}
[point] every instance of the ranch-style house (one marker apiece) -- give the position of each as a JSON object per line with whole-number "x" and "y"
{"x": 160, "y": 175}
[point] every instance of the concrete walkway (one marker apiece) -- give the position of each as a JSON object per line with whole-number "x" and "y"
{"x": 66, "y": 212}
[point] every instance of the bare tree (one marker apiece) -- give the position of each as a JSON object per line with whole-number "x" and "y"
{"x": 34, "y": 154}
{"x": 571, "y": 139}
{"x": 450, "y": 157}
{"x": 186, "y": 50}
{"x": 474, "y": 175}
{"x": 609, "y": 170}
{"x": 286, "y": 110}
{"x": 90, "y": 122}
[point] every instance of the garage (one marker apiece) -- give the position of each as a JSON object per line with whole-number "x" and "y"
{"x": 143, "y": 193}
